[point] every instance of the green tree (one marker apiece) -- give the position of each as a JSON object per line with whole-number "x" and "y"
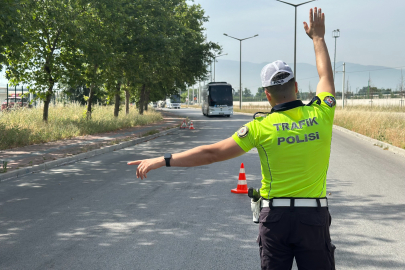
{"x": 173, "y": 52}
{"x": 10, "y": 37}
{"x": 260, "y": 93}
{"x": 247, "y": 93}
{"x": 95, "y": 45}
{"x": 48, "y": 28}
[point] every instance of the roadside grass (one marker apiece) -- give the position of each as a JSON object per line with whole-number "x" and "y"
{"x": 386, "y": 124}
{"x": 150, "y": 132}
{"x": 25, "y": 126}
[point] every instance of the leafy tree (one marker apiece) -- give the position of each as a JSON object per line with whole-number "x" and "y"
{"x": 175, "y": 55}
{"x": 10, "y": 37}
{"x": 94, "y": 43}
{"x": 260, "y": 93}
{"x": 48, "y": 28}
{"x": 247, "y": 93}
{"x": 147, "y": 49}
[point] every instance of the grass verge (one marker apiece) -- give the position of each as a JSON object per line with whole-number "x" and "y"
{"x": 150, "y": 132}
{"x": 386, "y": 124}
{"x": 25, "y": 126}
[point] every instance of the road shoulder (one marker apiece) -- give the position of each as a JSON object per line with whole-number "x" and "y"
{"x": 39, "y": 157}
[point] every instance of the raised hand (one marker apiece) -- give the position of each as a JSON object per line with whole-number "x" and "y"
{"x": 316, "y": 27}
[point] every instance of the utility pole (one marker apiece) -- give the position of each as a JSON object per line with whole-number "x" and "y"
{"x": 215, "y": 59}
{"x": 343, "y": 86}
{"x": 370, "y": 96}
{"x": 402, "y": 89}
{"x": 347, "y": 89}
{"x": 335, "y": 34}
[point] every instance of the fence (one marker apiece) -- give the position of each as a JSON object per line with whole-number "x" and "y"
{"x": 10, "y": 95}
{"x": 387, "y": 102}
{"x": 13, "y": 95}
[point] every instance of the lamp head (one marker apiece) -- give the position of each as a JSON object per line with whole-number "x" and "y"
{"x": 336, "y": 33}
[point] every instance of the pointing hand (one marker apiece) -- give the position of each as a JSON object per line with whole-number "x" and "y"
{"x": 146, "y": 165}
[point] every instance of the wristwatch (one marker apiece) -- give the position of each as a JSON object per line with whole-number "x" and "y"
{"x": 167, "y": 159}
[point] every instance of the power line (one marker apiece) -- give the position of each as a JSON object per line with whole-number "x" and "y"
{"x": 357, "y": 71}
{"x": 374, "y": 69}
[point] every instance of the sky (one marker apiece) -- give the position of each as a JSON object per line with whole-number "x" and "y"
{"x": 372, "y": 32}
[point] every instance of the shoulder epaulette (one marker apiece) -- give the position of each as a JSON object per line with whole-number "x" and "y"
{"x": 315, "y": 98}
{"x": 257, "y": 117}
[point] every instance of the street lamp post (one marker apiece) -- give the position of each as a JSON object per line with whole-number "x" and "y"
{"x": 215, "y": 59}
{"x": 240, "y": 66}
{"x": 335, "y": 34}
{"x": 295, "y": 33}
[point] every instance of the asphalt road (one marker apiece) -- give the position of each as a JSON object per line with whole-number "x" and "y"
{"x": 95, "y": 214}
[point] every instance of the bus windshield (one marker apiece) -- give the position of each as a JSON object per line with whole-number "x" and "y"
{"x": 220, "y": 95}
{"x": 175, "y": 99}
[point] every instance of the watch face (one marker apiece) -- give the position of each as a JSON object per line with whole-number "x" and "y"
{"x": 168, "y": 156}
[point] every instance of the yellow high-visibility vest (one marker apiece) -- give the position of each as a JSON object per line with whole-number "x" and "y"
{"x": 293, "y": 143}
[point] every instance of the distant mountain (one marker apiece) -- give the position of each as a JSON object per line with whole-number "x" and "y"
{"x": 381, "y": 77}
{"x": 227, "y": 70}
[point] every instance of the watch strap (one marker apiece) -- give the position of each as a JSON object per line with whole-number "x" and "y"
{"x": 167, "y": 158}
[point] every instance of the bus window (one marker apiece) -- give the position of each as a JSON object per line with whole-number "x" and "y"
{"x": 220, "y": 95}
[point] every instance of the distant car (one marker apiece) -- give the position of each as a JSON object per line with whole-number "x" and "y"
{"x": 21, "y": 102}
{"x": 161, "y": 104}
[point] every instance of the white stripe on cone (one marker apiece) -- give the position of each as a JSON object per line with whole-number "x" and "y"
{"x": 242, "y": 182}
{"x": 242, "y": 170}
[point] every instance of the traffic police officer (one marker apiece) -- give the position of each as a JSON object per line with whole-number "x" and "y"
{"x": 293, "y": 142}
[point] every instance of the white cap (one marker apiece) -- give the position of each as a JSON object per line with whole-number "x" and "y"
{"x": 271, "y": 70}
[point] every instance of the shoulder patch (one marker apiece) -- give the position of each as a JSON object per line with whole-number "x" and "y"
{"x": 243, "y": 132}
{"x": 330, "y": 101}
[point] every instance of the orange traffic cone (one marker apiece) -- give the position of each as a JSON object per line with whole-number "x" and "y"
{"x": 183, "y": 125}
{"x": 191, "y": 125}
{"x": 242, "y": 184}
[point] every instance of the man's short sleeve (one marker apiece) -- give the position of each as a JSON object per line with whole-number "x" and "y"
{"x": 328, "y": 104}
{"x": 246, "y": 136}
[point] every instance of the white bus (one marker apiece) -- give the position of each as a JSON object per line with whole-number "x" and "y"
{"x": 217, "y": 99}
{"x": 173, "y": 102}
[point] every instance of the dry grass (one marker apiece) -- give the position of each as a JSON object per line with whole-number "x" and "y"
{"x": 385, "y": 124}
{"x": 249, "y": 108}
{"x": 25, "y": 126}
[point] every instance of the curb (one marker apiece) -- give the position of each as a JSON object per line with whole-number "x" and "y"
{"x": 55, "y": 163}
{"x": 385, "y": 146}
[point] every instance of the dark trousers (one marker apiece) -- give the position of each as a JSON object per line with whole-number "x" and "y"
{"x": 300, "y": 232}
